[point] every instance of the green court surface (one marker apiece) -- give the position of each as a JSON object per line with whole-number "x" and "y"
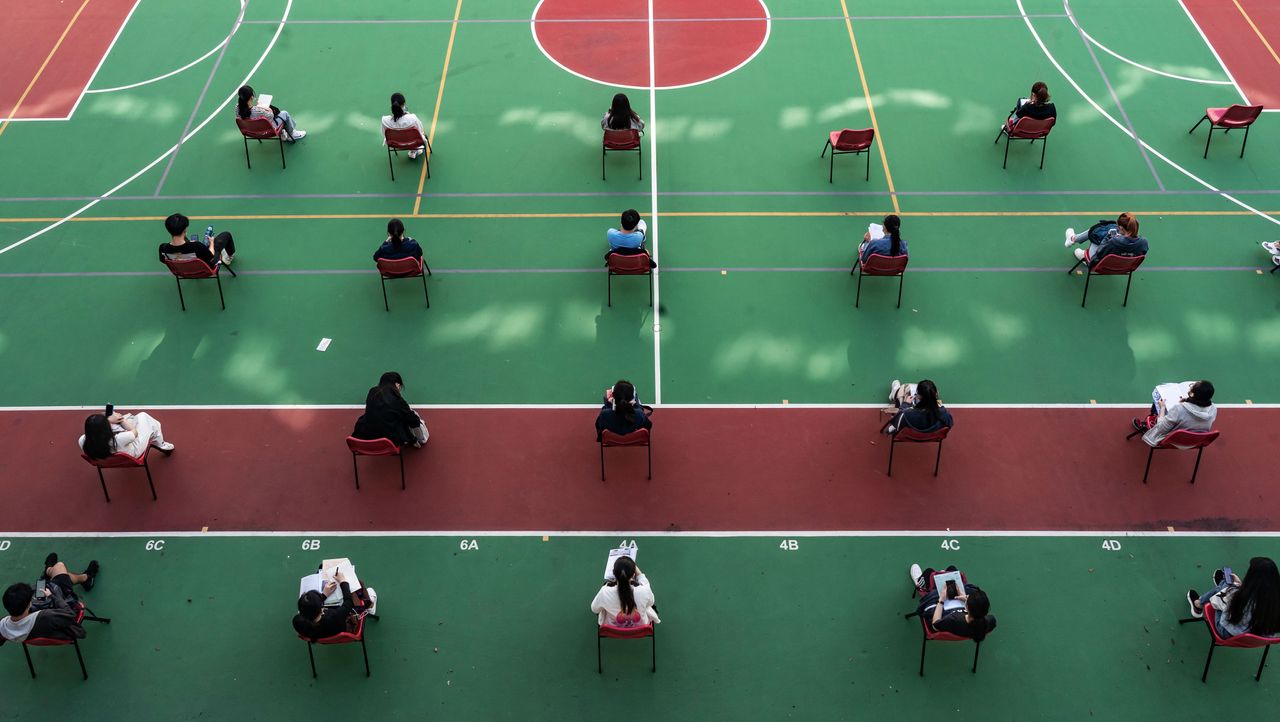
{"x": 751, "y": 630}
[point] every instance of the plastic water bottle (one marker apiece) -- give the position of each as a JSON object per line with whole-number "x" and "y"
{"x": 208, "y": 232}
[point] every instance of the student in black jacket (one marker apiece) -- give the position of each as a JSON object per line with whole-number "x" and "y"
{"x": 388, "y": 416}
{"x": 973, "y": 620}
{"x": 57, "y": 621}
{"x": 314, "y": 621}
{"x": 622, "y": 413}
{"x": 1037, "y": 106}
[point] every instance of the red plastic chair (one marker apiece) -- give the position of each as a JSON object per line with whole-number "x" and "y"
{"x": 374, "y": 447}
{"x": 879, "y": 265}
{"x": 1110, "y": 265}
{"x": 121, "y": 460}
{"x": 627, "y": 139}
{"x": 259, "y": 129}
{"x": 194, "y": 269}
{"x": 629, "y": 264}
{"x": 842, "y": 142}
{"x": 906, "y": 434}
{"x": 392, "y": 269}
{"x": 639, "y": 437}
{"x": 1228, "y": 119}
{"x": 1184, "y": 440}
{"x": 83, "y": 614}
{"x": 341, "y": 638}
{"x": 608, "y": 631}
{"x": 931, "y": 635}
{"x": 399, "y": 139}
{"x": 1240, "y": 641}
{"x": 1026, "y": 129}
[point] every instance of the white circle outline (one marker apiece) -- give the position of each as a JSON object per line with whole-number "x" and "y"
{"x": 768, "y": 28}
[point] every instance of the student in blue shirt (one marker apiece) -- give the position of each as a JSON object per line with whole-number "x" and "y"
{"x": 630, "y": 239}
{"x": 890, "y": 244}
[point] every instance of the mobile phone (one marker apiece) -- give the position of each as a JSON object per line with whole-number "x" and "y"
{"x": 111, "y": 409}
{"x": 1226, "y": 574}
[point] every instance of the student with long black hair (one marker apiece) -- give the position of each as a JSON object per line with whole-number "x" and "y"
{"x": 628, "y": 600}
{"x": 121, "y": 433}
{"x": 620, "y": 116}
{"x": 622, "y": 412}
{"x": 973, "y": 620}
{"x": 401, "y": 119}
{"x": 918, "y": 407}
{"x": 388, "y": 416}
{"x": 890, "y": 243}
{"x": 1251, "y": 606}
{"x": 247, "y": 108}
{"x": 397, "y": 245}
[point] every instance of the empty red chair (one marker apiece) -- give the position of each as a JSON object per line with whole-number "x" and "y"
{"x": 639, "y": 437}
{"x": 879, "y": 265}
{"x": 374, "y": 447}
{"x": 627, "y": 139}
{"x": 1026, "y": 129}
{"x": 1228, "y": 119}
{"x": 259, "y": 129}
{"x": 607, "y": 631}
{"x": 341, "y": 638}
{"x": 842, "y": 142}
{"x": 1185, "y": 440}
{"x": 399, "y": 139}
{"x": 1240, "y": 641}
{"x": 194, "y": 269}
{"x": 931, "y": 635}
{"x": 392, "y": 269}
{"x": 906, "y": 434}
{"x": 83, "y": 614}
{"x": 629, "y": 264}
{"x": 1110, "y": 265}
{"x": 121, "y": 460}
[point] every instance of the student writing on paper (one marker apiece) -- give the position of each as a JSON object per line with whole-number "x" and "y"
{"x": 247, "y": 108}
{"x": 973, "y": 620}
{"x": 628, "y": 600}
{"x": 315, "y": 621}
{"x": 622, "y": 412}
{"x": 889, "y": 244}
{"x": 388, "y": 416}
{"x": 1195, "y": 412}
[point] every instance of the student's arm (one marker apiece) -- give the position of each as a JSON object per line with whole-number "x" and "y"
{"x": 1166, "y": 425}
{"x": 347, "y": 603}
{"x": 597, "y": 604}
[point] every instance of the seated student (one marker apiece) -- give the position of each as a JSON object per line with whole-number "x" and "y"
{"x": 918, "y": 408}
{"x": 1272, "y": 247}
{"x": 629, "y": 240}
{"x": 622, "y": 412}
{"x": 45, "y": 613}
{"x": 973, "y": 620}
{"x": 181, "y": 248}
{"x": 1107, "y": 237}
{"x": 400, "y": 119}
{"x": 1036, "y": 106}
{"x": 1195, "y": 412}
{"x": 620, "y": 116}
{"x": 388, "y": 416}
{"x": 628, "y": 600}
{"x": 121, "y": 433}
{"x": 889, "y": 243}
{"x": 397, "y": 245}
{"x": 247, "y": 107}
{"x": 55, "y": 572}
{"x": 315, "y": 621}
{"x": 1251, "y": 606}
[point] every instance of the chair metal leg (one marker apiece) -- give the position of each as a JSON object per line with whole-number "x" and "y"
{"x": 30, "y": 666}
{"x": 901, "y": 278}
{"x": 282, "y": 163}
{"x": 892, "y": 443}
{"x": 1275, "y": 267}
{"x": 937, "y": 460}
{"x": 868, "y": 178}
{"x": 977, "y": 647}
{"x": 1151, "y": 452}
{"x": 1258, "y": 677}
{"x": 426, "y": 160}
{"x": 147, "y": 468}
{"x": 858, "y": 297}
{"x": 1197, "y": 125}
{"x": 312, "y": 657}
{"x": 1006, "y": 152}
{"x": 650, "y": 288}
{"x": 603, "y": 155}
{"x": 246, "y": 153}
{"x": 1073, "y": 268}
{"x": 1206, "y": 141}
{"x": 365, "y": 652}
{"x": 221, "y": 300}
{"x": 640, "y": 160}
{"x": 356, "y": 464}
{"x": 610, "y": 283}
{"x": 1043, "y": 147}
{"x": 401, "y": 456}
{"x": 1196, "y": 470}
{"x": 385, "y": 305}
{"x": 1246, "y": 141}
{"x": 998, "y": 134}
{"x": 1212, "y": 646}
{"x": 599, "y": 662}
{"x": 924, "y": 642}
{"x": 653, "y": 638}
{"x": 424, "y": 265}
{"x": 391, "y": 165}
{"x": 104, "y": 485}
{"x": 602, "y": 461}
{"x": 824, "y": 149}
{"x": 1087, "y": 275}
{"x": 424, "y": 290}
{"x": 1127, "y": 284}
{"x": 83, "y": 672}
{"x": 181, "y": 300}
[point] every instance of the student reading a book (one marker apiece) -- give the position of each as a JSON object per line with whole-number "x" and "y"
{"x": 388, "y": 416}
{"x": 628, "y": 600}
{"x": 1251, "y": 606}
{"x": 887, "y": 241}
{"x": 622, "y": 412}
{"x": 918, "y": 407}
{"x": 941, "y": 608}
{"x": 315, "y": 621}
{"x": 1193, "y": 412}
{"x": 1035, "y": 106}
{"x": 1119, "y": 237}
{"x": 247, "y": 107}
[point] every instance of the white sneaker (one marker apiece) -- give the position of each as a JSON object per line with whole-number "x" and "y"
{"x": 1071, "y": 238}
{"x": 1080, "y": 254}
{"x": 1272, "y": 247}
{"x": 893, "y": 390}
{"x": 373, "y": 602}
{"x": 413, "y": 154}
{"x": 165, "y": 447}
{"x": 227, "y": 258}
{"x": 298, "y": 134}
{"x": 1192, "y": 598}
{"x": 917, "y": 575}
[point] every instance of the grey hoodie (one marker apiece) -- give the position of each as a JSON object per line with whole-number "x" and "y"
{"x": 1183, "y": 415}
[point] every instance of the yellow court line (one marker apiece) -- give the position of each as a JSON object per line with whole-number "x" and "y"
{"x": 866, "y": 93}
{"x": 1257, "y": 31}
{"x": 45, "y": 64}
{"x": 431, "y": 134}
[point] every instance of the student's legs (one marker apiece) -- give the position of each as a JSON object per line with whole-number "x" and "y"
{"x": 643, "y": 228}
{"x": 420, "y": 431}
{"x": 224, "y": 242}
{"x": 286, "y": 121}
{"x": 1204, "y": 598}
{"x": 60, "y": 570}
{"x": 1080, "y": 237}
{"x": 148, "y": 426}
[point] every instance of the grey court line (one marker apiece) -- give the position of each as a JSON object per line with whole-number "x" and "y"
{"x": 549, "y": 21}
{"x": 173, "y": 157}
{"x": 1137, "y": 139}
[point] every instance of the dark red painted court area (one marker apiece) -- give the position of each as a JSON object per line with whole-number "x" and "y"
{"x": 694, "y": 40}
{"x": 28, "y": 31}
{"x": 727, "y": 469}
{"x": 1244, "y": 53}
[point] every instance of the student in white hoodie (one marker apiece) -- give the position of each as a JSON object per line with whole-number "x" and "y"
{"x": 1196, "y": 412}
{"x": 628, "y": 601}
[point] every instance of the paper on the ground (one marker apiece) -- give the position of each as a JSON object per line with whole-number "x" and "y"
{"x": 1172, "y": 393}
{"x": 613, "y": 557}
{"x": 876, "y": 231}
{"x": 324, "y": 344}
{"x": 264, "y": 100}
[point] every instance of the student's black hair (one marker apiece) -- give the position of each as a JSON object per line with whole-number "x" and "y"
{"x": 99, "y": 440}
{"x": 1039, "y": 93}
{"x": 242, "y": 105}
{"x": 624, "y": 570}
{"x": 892, "y": 226}
{"x": 397, "y": 105}
{"x": 928, "y": 393}
{"x": 310, "y": 604}
{"x": 387, "y": 383}
{"x": 630, "y": 219}
{"x": 1260, "y": 594}
{"x": 977, "y": 607}
{"x": 18, "y": 597}
{"x": 620, "y": 112}
{"x": 395, "y": 229}
{"x": 177, "y": 224}
{"x": 624, "y": 399}
{"x": 1201, "y": 394}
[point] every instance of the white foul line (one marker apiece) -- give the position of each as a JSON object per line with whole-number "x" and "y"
{"x": 1213, "y": 50}
{"x": 1135, "y": 63}
{"x": 713, "y": 534}
{"x": 653, "y": 205}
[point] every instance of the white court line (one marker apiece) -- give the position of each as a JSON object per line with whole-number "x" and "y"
{"x": 216, "y": 112}
{"x": 172, "y": 73}
{"x": 1036, "y": 35}
{"x": 556, "y": 407}
{"x": 1213, "y": 50}
{"x": 103, "y": 59}
{"x": 713, "y": 534}
{"x": 653, "y": 212}
{"x": 1136, "y": 64}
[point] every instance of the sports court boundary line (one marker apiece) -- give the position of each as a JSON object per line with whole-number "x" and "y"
{"x": 1212, "y": 50}
{"x": 1140, "y": 66}
{"x": 653, "y": 195}
{"x": 435, "y": 115}
{"x": 584, "y": 407}
{"x": 517, "y": 21}
{"x": 693, "y": 534}
{"x": 53, "y": 51}
{"x": 105, "y": 54}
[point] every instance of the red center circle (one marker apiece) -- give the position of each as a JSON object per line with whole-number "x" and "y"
{"x": 608, "y": 42}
